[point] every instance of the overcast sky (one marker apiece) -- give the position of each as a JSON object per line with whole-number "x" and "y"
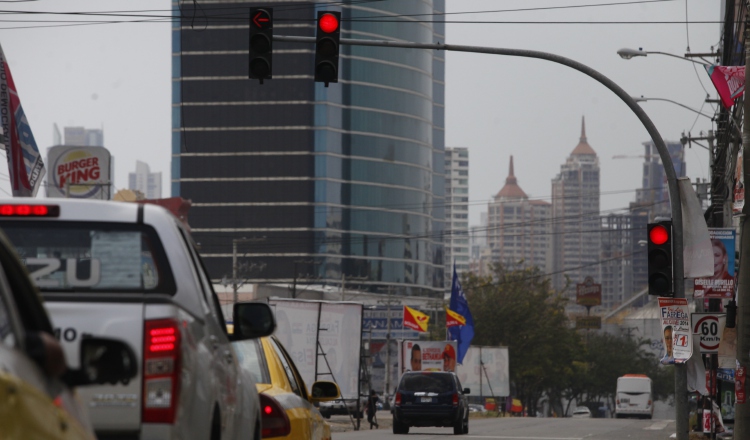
{"x": 118, "y": 77}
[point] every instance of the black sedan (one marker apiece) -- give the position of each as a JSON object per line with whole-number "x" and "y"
{"x": 430, "y": 398}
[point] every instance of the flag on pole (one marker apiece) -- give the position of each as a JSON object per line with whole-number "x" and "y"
{"x": 453, "y": 319}
{"x": 415, "y": 320}
{"x": 25, "y": 164}
{"x": 463, "y": 334}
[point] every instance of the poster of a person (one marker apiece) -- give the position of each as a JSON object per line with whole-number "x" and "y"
{"x": 668, "y": 345}
{"x": 721, "y": 283}
{"x": 677, "y": 330}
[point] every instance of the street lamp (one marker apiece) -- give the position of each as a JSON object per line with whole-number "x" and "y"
{"x": 643, "y": 99}
{"x": 627, "y": 53}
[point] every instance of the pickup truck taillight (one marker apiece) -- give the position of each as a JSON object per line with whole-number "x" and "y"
{"x": 275, "y": 422}
{"x": 161, "y": 366}
{"x": 455, "y": 399}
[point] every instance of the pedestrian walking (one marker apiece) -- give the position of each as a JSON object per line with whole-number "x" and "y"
{"x": 372, "y": 408}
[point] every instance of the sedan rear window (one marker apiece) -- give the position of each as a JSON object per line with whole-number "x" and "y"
{"x": 427, "y": 382}
{"x": 96, "y": 257}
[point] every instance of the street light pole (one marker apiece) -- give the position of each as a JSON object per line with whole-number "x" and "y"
{"x": 681, "y": 396}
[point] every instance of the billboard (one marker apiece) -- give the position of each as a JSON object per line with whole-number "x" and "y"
{"x": 485, "y": 371}
{"x": 721, "y": 284}
{"x": 427, "y": 356}
{"x": 375, "y": 324}
{"x": 78, "y": 172}
{"x": 588, "y": 293}
{"x": 337, "y": 327}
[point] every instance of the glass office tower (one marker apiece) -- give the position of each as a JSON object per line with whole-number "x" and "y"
{"x": 325, "y": 185}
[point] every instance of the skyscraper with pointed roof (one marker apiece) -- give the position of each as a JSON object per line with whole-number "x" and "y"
{"x": 575, "y": 217}
{"x": 518, "y": 229}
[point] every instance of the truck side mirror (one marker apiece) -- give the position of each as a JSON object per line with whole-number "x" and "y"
{"x": 252, "y": 320}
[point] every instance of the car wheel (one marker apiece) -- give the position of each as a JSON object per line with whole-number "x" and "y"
{"x": 466, "y": 425}
{"x": 400, "y": 428}
{"x": 458, "y": 427}
{"x": 216, "y": 425}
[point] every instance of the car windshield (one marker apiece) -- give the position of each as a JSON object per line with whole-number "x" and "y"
{"x": 431, "y": 383}
{"x": 251, "y": 359}
{"x": 87, "y": 256}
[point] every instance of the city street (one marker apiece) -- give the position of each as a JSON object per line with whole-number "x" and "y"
{"x": 531, "y": 428}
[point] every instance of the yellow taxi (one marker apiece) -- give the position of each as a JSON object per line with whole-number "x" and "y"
{"x": 287, "y": 408}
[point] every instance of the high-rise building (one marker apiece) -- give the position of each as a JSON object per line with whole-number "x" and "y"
{"x": 145, "y": 181}
{"x": 575, "y": 217}
{"x": 456, "y": 212}
{"x": 333, "y": 183}
{"x": 654, "y": 193}
{"x": 84, "y": 137}
{"x": 519, "y": 229}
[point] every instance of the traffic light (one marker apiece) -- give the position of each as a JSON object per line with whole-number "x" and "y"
{"x": 660, "y": 274}
{"x": 327, "y": 35}
{"x": 261, "y": 43}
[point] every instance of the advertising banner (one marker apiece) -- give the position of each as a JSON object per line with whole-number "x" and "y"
{"x": 78, "y": 172}
{"x": 338, "y": 328}
{"x": 485, "y": 371}
{"x": 721, "y": 284}
{"x": 589, "y": 293}
{"x": 427, "y": 356}
{"x": 677, "y": 331}
{"x": 729, "y": 82}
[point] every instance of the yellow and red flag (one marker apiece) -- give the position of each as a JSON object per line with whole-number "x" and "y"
{"x": 415, "y": 320}
{"x": 453, "y": 319}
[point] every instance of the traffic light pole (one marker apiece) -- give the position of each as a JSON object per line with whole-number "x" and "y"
{"x": 681, "y": 397}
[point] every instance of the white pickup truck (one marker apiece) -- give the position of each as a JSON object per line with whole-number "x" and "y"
{"x": 131, "y": 271}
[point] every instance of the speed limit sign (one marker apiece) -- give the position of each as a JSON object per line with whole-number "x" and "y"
{"x": 709, "y": 328}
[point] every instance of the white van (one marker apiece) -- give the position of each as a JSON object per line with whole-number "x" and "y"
{"x": 634, "y": 396}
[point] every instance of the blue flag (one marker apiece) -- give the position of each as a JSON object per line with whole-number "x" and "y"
{"x": 463, "y": 334}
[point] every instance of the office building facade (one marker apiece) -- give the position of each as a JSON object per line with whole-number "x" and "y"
{"x": 575, "y": 214}
{"x": 519, "y": 229}
{"x": 456, "y": 242}
{"x": 315, "y": 184}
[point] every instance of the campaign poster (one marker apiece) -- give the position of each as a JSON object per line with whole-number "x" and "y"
{"x": 427, "y": 356}
{"x": 721, "y": 284}
{"x": 677, "y": 330}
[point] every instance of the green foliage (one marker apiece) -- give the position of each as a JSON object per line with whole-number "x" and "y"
{"x": 519, "y": 309}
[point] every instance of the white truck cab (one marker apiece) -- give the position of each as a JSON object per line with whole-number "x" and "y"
{"x": 131, "y": 271}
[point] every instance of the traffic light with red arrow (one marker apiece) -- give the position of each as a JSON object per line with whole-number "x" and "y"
{"x": 261, "y": 43}
{"x": 327, "y": 37}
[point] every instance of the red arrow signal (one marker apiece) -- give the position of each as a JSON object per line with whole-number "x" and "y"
{"x": 261, "y": 20}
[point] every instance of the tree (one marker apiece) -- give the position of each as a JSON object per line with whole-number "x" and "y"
{"x": 520, "y": 310}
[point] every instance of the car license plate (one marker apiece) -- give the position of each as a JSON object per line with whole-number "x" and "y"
{"x": 426, "y": 400}
{"x": 625, "y": 400}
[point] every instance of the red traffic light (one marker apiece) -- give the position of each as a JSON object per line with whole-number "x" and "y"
{"x": 658, "y": 235}
{"x": 328, "y": 23}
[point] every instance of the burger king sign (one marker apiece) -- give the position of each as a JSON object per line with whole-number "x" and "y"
{"x": 78, "y": 172}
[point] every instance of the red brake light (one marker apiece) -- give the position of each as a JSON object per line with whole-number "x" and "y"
{"x": 29, "y": 211}
{"x": 397, "y": 399}
{"x": 161, "y": 366}
{"x": 275, "y": 422}
{"x": 658, "y": 235}
{"x": 455, "y": 399}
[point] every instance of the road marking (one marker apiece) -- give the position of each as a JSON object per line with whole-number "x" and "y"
{"x": 658, "y": 426}
{"x": 522, "y": 438}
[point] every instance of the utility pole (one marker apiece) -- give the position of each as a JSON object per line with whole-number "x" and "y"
{"x": 294, "y": 279}
{"x": 235, "y": 283}
{"x": 387, "y": 390}
{"x": 742, "y": 410}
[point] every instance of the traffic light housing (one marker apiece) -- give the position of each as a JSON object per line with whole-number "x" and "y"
{"x": 261, "y": 43}
{"x": 327, "y": 36}
{"x": 660, "y": 272}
